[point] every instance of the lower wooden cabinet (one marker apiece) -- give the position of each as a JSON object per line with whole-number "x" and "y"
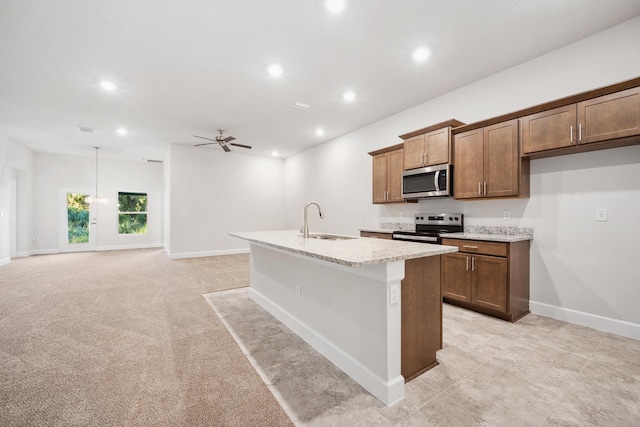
{"x": 421, "y": 321}
{"x": 375, "y": 235}
{"x": 489, "y": 277}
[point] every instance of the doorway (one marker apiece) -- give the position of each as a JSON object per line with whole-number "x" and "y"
{"x": 79, "y": 223}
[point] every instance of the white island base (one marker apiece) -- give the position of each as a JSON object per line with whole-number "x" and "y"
{"x": 350, "y": 315}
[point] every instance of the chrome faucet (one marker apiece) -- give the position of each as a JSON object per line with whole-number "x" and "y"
{"x": 305, "y": 223}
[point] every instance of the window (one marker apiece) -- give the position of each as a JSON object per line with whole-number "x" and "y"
{"x": 132, "y": 213}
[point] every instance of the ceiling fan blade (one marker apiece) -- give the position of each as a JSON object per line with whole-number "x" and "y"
{"x": 229, "y": 139}
{"x": 204, "y": 137}
{"x": 225, "y": 148}
{"x": 204, "y": 143}
{"x": 241, "y": 145}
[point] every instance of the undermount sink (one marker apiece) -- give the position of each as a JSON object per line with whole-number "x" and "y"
{"x": 330, "y": 237}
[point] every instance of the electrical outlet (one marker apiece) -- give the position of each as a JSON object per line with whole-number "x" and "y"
{"x": 506, "y": 215}
{"x": 298, "y": 292}
{"x": 394, "y": 292}
{"x": 601, "y": 215}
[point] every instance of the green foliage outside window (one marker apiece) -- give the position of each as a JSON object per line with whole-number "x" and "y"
{"x": 77, "y": 218}
{"x": 132, "y": 213}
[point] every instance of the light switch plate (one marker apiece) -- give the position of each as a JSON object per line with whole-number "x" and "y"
{"x": 506, "y": 215}
{"x": 601, "y": 215}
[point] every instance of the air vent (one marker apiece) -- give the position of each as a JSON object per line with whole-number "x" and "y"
{"x": 154, "y": 161}
{"x": 300, "y": 105}
{"x": 86, "y": 129}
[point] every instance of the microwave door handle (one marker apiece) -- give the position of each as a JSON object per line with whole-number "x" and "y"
{"x": 435, "y": 180}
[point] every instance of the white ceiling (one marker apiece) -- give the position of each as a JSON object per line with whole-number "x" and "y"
{"x": 192, "y": 67}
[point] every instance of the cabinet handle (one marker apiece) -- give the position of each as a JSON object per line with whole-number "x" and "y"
{"x": 467, "y": 263}
{"x": 479, "y": 189}
{"x": 485, "y": 188}
{"x": 473, "y": 264}
{"x": 426, "y": 158}
{"x": 580, "y": 132}
{"x": 571, "y": 134}
{"x": 469, "y": 247}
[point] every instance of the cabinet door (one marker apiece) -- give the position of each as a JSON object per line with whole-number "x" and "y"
{"x": 436, "y": 145}
{"x": 413, "y": 152}
{"x": 549, "y": 129}
{"x": 395, "y": 163}
{"x": 469, "y": 168}
{"x": 456, "y": 276}
{"x": 489, "y": 282}
{"x": 609, "y": 117}
{"x": 380, "y": 178}
{"x": 501, "y": 160}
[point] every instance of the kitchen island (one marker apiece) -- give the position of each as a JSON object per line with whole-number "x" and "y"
{"x": 344, "y": 298}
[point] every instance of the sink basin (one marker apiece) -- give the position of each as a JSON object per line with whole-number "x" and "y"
{"x": 330, "y": 237}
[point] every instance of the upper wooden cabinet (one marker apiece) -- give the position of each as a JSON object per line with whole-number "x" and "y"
{"x": 603, "y": 118}
{"x": 429, "y": 146}
{"x": 488, "y": 163}
{"x": 387, "y": 175}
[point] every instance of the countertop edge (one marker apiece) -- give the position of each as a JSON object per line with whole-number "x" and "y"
{"x": 340, "y": 261}
{"x": 506, "y": 238}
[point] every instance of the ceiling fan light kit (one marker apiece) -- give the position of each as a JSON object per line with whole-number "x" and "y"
{"x": 221, "y": 141}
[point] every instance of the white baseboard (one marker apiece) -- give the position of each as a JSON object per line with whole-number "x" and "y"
{"x": 389, "y": 392}
{"x": 23, "y": 254}
{"x": 207, "y": 253}
{"x": 5, "y": 261}
{"x": 44, "y": 252}
{"x": 607, "y": 324}
{"x": 122, "y": 247}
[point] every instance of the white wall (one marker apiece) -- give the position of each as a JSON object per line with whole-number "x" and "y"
{"x": 580, "y": 269}
{"x": 213, "y": 193}
{"x": 16, "y": 171}
{"x": 54, "y": 174}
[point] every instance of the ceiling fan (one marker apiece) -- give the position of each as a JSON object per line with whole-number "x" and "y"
{"x": 222, "y": 141}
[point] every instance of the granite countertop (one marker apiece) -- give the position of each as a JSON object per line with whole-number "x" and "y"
{"x": 354, "y": 252}
{"x": 493, "y": 234}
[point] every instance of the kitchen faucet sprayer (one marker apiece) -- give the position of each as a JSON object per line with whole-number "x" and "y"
{"x": 305, "y": 218}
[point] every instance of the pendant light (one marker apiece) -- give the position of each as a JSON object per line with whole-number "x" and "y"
{"x": 95, "y": 199}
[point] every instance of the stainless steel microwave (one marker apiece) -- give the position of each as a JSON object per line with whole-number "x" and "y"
{"x": 432, "y": 181}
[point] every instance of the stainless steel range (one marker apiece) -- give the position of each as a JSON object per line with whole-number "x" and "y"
{"x": 429, "y": 227}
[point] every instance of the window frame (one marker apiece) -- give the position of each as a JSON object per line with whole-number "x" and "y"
{"x": 145, "y": 212}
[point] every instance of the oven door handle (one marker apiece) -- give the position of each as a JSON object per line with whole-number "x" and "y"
{"x": 414, "y": 238}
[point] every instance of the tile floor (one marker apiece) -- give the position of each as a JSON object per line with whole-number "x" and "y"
{"x": 536, "y": 372}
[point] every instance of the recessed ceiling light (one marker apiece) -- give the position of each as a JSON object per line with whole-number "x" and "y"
{"x": 274, "y": 153}
{"x": 108, "y": 86}
{"x": 122, "y": 132}
{"x": 349, "y": 96}
{"x": 421, "y": 54}
{"x": 335, "y": 6}
{"x": 275, "y": 70}
{"x": 320, "y": 132}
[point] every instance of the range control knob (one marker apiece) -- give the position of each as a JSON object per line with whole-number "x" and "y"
{"x": 450, "y": 219}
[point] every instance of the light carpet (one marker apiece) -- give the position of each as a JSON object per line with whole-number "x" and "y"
{"x": 124, "y": 338}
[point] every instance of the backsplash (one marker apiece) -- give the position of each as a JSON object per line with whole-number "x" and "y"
{"x": 508, "y": 231}
{"x": 397, "y": 226}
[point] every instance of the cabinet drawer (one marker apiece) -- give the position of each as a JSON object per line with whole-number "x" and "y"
{"x": 375, "y": 235}
{"x": 478, "y": 246}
